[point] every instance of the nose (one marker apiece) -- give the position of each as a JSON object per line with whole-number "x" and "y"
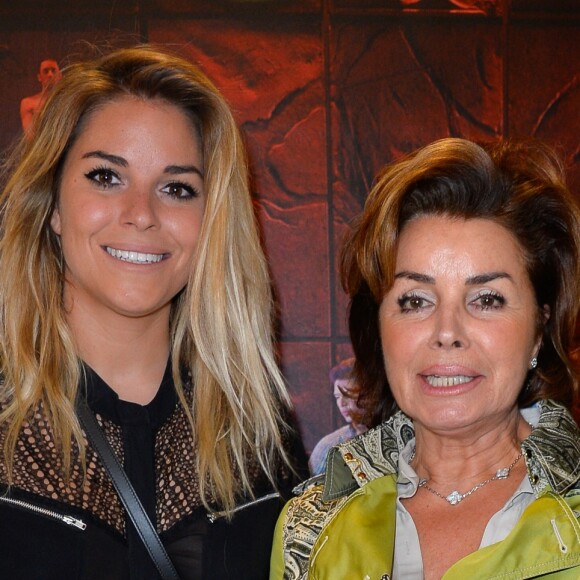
{"x": 449, "y": 330}
{"x": 140, "y": 209}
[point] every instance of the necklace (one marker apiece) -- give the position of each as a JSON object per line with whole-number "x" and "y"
{"x": 455, "y": 497}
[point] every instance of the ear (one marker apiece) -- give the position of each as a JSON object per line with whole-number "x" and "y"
{"x": 55, "y": 222}
{"x": 544, "y": 316}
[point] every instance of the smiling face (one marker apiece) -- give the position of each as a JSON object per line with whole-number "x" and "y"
{"x": 130, "y": 207}
{"x": 459, "y": 326}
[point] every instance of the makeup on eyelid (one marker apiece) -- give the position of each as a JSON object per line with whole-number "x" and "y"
{"x": 457, "y": 327}
{"x": 130, "y": 208}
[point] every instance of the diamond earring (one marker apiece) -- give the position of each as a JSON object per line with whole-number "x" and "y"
{"x": 534, "y": 363}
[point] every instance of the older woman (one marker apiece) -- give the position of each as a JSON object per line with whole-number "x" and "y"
{"x": 463, "y": 273}
{"x": 134, "y": 288}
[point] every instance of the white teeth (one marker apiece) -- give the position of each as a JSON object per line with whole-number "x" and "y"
{"x": 437, "y": 381}
{"x": 134, "y": 257}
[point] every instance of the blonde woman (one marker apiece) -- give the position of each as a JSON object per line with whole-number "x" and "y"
{"x": 133, "y": 282}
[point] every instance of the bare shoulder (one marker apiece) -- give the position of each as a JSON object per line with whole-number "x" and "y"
{"x": 31, "y": 102}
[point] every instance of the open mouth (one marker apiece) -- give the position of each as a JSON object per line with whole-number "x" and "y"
{"x": 447, "y": 381}
{"x": 134, "y": 257}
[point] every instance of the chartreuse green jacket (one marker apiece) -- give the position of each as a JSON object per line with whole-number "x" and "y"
{"x": 342, "y": 525}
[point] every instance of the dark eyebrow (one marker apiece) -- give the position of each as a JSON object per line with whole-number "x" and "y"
{"x": 485, "y": 278}
{"x": 416, "y": 277}
{"x": 473, "y": 280}
{"x": 115, "y": 159}
{"x": 179, "y": 169}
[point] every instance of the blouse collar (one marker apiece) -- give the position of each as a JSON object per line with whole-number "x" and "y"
{"x": 103, "y": 400}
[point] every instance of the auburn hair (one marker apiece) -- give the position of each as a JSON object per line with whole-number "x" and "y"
{"x": 517, "y": 184}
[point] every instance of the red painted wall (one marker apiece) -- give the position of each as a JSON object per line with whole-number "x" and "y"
{"x": 328, "y": 91}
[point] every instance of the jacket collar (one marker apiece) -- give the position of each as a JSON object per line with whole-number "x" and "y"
{"x": 552, "y": 453}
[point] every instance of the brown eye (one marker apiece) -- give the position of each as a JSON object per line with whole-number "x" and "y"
{"x": 103, "y": 177}
{"x": 415, "y": 303}
{"x": 412, "y": 303}
{"x": 179, "y": 190}
{"x": 489, "y": 301}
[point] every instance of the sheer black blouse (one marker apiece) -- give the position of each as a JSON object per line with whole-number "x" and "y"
{"x": 52, "y": 528}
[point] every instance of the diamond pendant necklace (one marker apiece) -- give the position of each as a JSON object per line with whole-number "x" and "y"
{"x": 455, "y": 497}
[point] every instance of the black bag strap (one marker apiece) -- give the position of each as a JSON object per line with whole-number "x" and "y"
{"x": 127, "y": 494}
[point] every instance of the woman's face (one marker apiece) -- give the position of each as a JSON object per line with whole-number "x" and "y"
{"x": 130, "y": 207}
{"x": 458, "y": 327}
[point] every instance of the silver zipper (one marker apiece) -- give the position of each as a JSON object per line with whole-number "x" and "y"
{"x": 70, "y": 520}
{"x": 213, "y": 516}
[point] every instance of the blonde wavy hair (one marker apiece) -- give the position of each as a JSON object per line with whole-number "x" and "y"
{"x": 221, "y": 324}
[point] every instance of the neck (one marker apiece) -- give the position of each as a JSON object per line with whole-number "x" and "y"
{"x": 446, "y": 460}
{"x": 129, "y": 354}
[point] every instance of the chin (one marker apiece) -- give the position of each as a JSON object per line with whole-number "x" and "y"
{"x": 445, "y": 418}
{"x": 138, "y": 310}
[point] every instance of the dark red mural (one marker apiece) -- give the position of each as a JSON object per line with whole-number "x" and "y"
{"x": 327, "y": 92}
